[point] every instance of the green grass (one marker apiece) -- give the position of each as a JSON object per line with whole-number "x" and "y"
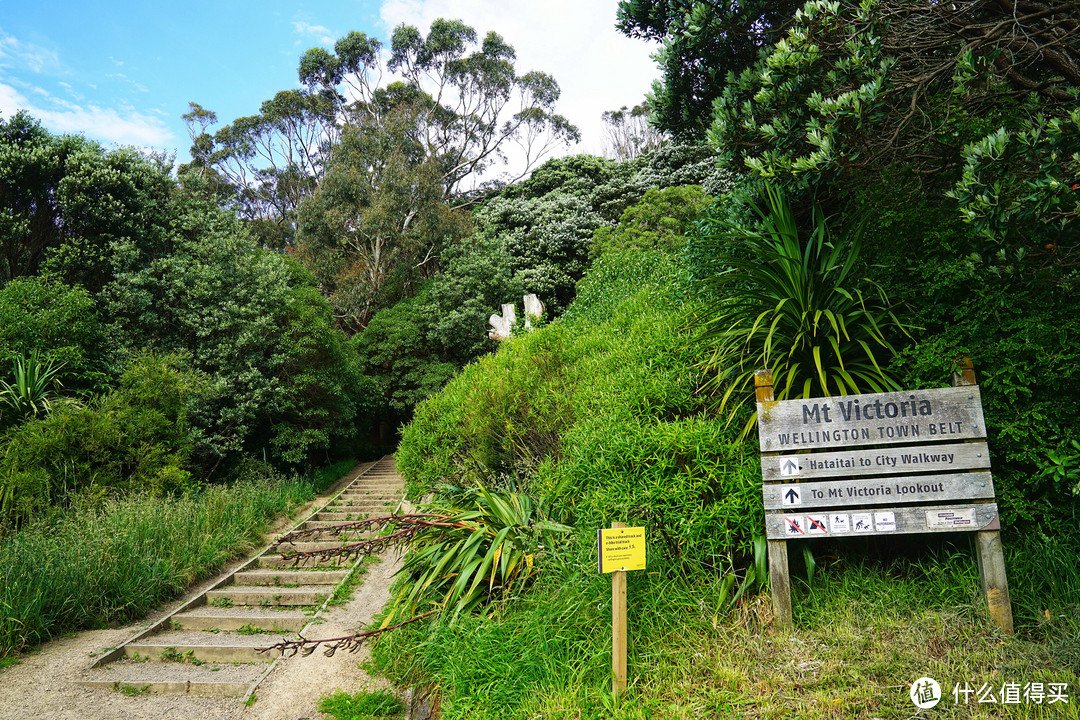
{"x": 322, "y": 478}
{"x": 361, "y": 706}
{"x": 865, "y": 629}
{"x": 343, "y": 592}
{"x": 114, "y": 561}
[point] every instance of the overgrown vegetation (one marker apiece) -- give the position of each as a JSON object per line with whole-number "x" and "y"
{"x": 360, "y": 706}
{"x": 103, "y": 562}
{"x": 867, "y": 628}
{"x": 850, "y": 193}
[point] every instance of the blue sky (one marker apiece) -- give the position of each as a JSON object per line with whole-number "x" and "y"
{"x": 123, "y": 72}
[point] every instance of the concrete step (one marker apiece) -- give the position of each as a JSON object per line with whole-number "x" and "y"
{"x": 386, "y": 505}
{"x": 318, "y": 524}
{"x": 340, "y": 517}
{"x": 318, "y": 535}
{"x": 309, "y": 545}
{"x": 266, "y": 597}
{"x": 275, "y": 561}
{"x": 208, "y": 679}
{"x": 287, "y": 578}
{"x": 185, "y": 653}
{"x": 277, "y": 622}
{"x": 173, "y": 687}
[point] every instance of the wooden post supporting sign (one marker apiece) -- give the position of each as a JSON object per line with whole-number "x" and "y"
{"x": 988, "y": 543}
{"x": 618, "y": 627}
{"x": 779, "y": 576}
{"x": 618, "y": 550}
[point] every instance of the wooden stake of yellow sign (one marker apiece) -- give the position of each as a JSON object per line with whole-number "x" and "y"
{"x": 619, "y": 549}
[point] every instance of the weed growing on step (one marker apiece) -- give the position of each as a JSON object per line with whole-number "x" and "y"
{"x": 361, "y": 706}
{"x": 171, "y": 654}
{"x": 251, "y": 630}
{"x": 131, "y": 690}
{"x": 222, "y": 601}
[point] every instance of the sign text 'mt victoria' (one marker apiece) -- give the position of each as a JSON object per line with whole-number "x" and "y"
{"x": 879, "y": 419}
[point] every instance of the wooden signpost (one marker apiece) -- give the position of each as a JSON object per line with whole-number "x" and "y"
{"x": 880, "y": 464}
{"x": 618, "y": 550}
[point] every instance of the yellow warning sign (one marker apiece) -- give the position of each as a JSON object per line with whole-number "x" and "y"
{"x": 621, "y": 549}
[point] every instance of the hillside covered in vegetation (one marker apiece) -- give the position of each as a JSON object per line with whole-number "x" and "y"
{"x": 852, "y": 195}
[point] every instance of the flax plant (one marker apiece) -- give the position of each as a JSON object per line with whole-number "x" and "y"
{"x": 31, "y": 392}
{"x": 788, "y": 304}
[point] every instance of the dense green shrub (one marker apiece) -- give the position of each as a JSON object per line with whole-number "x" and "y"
{"x": 658, "y": 222}
{"x": 279, "y": 376}
{"x": 1016, "y": 317}
{"x": 396, "y": 350}
{"x": 547, "y": 241}
{"x": 70, "y": 204}
{"x": 44, "y": 314}
{"x": 413, "y": 348}
{"x": 133, "y": 439}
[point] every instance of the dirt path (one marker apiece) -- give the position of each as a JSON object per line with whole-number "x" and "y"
{"x": 44, "y": 682}
{"x": 292, "y": 690}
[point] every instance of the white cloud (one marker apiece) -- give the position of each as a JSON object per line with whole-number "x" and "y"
{"x": 322, "y": 35}
{"x": 125, "y": 79}
{"x": 38, "y": 59}
{"x": 575, "y": 41}
{"x": 126, "y": 127}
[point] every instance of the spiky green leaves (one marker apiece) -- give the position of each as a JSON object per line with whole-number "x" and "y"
{"x": 478, "y": 554}
{"x": 30, "y": 394}
{"x": 790, "y": 305}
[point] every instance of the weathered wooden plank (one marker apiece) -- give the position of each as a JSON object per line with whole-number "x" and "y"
{"x": 882, "y": 461}
{"x": 780, "y": 583}
{"x": 779, "y": 574}
{"x": 849, "y": 522}
{"x": 911, "y": 416}
{"x": 922, "y": 489}
{"x": 994, "y": 582}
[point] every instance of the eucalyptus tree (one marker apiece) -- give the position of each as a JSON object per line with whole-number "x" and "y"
{"x": 265, "y": 164}
{"x": 471, "y": 103}
{"x": 377, "y": 223}
{"x": 468, "y": 104}
{"x": 629, "y": 133}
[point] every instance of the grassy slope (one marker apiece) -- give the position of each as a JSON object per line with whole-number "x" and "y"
{"x": 610, "y": 391}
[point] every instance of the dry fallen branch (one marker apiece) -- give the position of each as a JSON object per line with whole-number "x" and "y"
{"x": 407, "y": 527}
{"x": 349, "y": 643}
